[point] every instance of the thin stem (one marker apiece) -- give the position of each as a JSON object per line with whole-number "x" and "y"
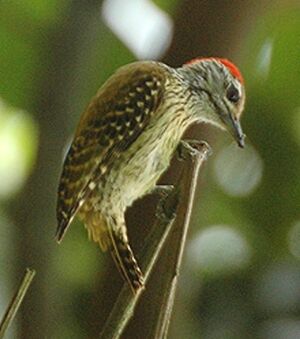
{"x": 126, "y": 301}
{"x": 15, "y": 303}
{"x": 177, "y": 241}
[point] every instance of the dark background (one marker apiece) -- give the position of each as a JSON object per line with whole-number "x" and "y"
{"x": 241, "y": 272}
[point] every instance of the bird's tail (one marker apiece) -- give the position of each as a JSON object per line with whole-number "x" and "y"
{"x": 110, "y": 233}
{"x": 125, "y": 260}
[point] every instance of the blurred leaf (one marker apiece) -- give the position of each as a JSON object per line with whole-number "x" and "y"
{"x": 18, "y": 62}
{"x": 18, "y": 148}
{"x": 167, "y": 5}
{"x": 281, "y": 30}
{"x": 79, "y": 272}
{"x": 37, "y": 12}
{"x": 270, "y": 121}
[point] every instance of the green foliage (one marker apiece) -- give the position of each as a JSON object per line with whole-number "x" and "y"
{"x": 169, "y": 6}
{"x": 18, "y": 148}
{"x": 20, "y": 64}
{"x": 232, "y": 301}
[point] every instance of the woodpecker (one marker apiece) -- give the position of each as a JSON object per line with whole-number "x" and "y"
{"x": 125, "y": 140}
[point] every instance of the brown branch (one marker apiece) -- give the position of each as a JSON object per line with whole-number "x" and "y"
{"x": 16, "y": 301}
{"x": 124, "y": 307}
{"x": 172, "y": 256}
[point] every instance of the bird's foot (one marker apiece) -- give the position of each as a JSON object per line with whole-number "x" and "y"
{"x": 189, "y": 149}
{"x": 167, "y": 205}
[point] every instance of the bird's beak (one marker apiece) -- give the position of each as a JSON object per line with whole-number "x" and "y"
{"x": 235, "y": 129}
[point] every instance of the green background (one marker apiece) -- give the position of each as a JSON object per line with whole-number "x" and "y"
{"x": 241, "y": 271}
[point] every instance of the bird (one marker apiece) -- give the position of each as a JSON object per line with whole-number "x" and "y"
{"x": 126, "y": 137}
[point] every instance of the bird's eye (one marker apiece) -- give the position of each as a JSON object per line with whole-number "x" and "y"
{"x": 233, "y": 94}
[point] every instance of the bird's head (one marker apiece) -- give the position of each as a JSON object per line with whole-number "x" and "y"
{"x": 216, "y": 93}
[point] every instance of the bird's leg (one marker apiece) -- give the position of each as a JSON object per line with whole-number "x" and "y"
{"x": 163, "y": 190}
{"x": 188, "y": 148}
{"x": 169, "y": 195}
{"x": 166, "y": 207}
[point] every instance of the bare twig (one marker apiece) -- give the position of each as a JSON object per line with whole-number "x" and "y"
{"x": 15, "y": 303}
{"x": 126, "y": 301}
{"x": 173, "y": 254}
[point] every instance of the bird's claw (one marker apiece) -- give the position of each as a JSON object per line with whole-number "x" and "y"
{"x": 190, "y": 148}
{"x": 167, "y": 205}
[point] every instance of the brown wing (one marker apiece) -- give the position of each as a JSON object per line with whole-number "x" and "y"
{"x": 112, "y": 122}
